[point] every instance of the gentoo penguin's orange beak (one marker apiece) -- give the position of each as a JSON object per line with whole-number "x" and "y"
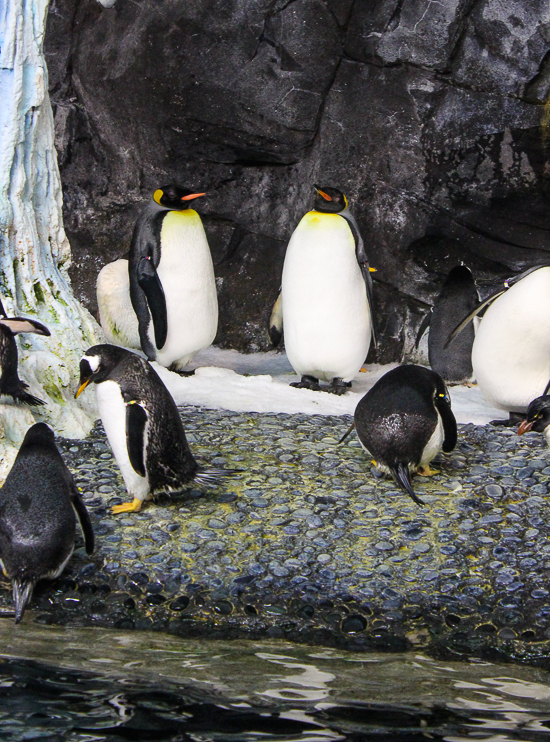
{"x": 192, "y": 196}
{"x": 81, "y": 388}
{"x": 525, "y": 427}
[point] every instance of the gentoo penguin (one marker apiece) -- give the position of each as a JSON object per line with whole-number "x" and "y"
{"x": 37, "y": 516}
{"x": 116, "y": 313}
{"x": 10, "y": 383}
{"x": 511, "y": 351}
{"x": 458, "y": 296}
{"x": 143, "y": 425}
{"x": 326, "y": 296}
{"x": 172, "y": 284}
{"x": 537, "y": 418}
{"x": 404, "y": 421}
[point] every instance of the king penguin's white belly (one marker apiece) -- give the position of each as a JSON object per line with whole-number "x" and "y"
{"x": 511, "y": 352}
{"x": 116, "y": 313}
{"x": 326, "y": 317}
{"x": 187, "y": 277}
{"x": 112, "y": 410}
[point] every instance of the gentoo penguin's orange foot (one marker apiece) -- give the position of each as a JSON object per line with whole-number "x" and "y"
{"x": 128, "y": 507}
{"x": 425, "y": 471}
{"x": 307, "y": 382}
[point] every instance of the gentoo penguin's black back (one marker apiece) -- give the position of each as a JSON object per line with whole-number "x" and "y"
{"x": 457, "y": 298}
{"x": 37, "y": 520}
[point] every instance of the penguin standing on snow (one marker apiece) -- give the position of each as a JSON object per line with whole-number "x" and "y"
{"x": 404, "y": 421}
{"x": 458, "y": 296}
{"x": 511, "y": 351}
{"x": 143, "y": 425}
{"x": 172, "y": 284}
{"x": 37, "y": 516}
{"x": 10, "y": 383}
{"x": 326, "y": 296}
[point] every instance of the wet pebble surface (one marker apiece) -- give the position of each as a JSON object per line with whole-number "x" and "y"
{"x": 305, "y": 543}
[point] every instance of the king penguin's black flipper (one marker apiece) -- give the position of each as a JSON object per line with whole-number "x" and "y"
{"x": 480, "y": 307}
{"x": 400, "y": 472}
{"x": 276, "y": 321}
{"x": 449, "y": 423}
{"x": 149, "y": 281}
{"x": 363, "y": 262}
{"x": 83, "y": 517}
{"x": 136, "y": 419}
{"x": 423, "y": 327}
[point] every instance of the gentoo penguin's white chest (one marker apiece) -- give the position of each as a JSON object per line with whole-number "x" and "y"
{"x": 325, "y": 309}
{"x": 112, "y": 410}
{"x": 186, "y": 273}
{"x": 511, "y": 352}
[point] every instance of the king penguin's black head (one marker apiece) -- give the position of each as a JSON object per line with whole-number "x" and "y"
{"x": 329, "y": 200}
{"x": 538, "y": 416}
{"x": 175, "y": 197}
{"x": 97, "y": 363}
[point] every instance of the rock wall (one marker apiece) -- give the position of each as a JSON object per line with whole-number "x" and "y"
{"x": 432, "y": 117}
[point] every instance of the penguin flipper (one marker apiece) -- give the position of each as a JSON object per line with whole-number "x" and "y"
{"x": 423, "y": 327}
{"x": 480, "y": 307}
{"x": 84, "y": 518}
{"x": 449, "y": 423}
{"x": 400, "y": 472}
{"x": 149, "y": 282}
{"x": 136, "y": 420}
{"x": 21, "y": 324}
{"x": 276, "y": 321}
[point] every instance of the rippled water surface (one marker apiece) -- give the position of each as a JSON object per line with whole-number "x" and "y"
{"x": 89, "y": 684}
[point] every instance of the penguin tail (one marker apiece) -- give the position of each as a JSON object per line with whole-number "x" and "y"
{"x": 212, "y": 476}
{"x": 400, "y": 472}
{"x": 30, "y": 399}
{"x": 22, "y": 594}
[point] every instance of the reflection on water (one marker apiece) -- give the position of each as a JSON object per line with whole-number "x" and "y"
{"x": 85, "y": 685}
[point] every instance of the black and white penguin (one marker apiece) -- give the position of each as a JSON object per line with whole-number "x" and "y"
{"x": 537, "y": 418}
{"x": 511, "y": 351}
{"x": 37, "y": 516}
{"x": 404, "y": 421}
{"x": 143, "y": 425}
{"x": 326, "y": 296}
{"x": 172, "y": 284}
{"x": 457, "y": 298}
{"x": 10, "y": 383}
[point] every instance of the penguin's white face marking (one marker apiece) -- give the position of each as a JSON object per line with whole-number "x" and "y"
{"x": 93, "y": 362}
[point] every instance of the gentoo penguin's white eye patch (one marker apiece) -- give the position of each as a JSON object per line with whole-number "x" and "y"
{"x": 93, "y": 362}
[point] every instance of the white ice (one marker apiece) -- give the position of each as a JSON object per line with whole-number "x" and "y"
{"x": 259, "y": 382}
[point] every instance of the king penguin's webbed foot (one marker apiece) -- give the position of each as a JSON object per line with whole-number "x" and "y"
{"x": 307, "y": 382}
{"x": 182, "y": 373}
{"x": 338, "y": 386}
{"x": 514, "y": 419}
{"x": 425, "y": 471}
{"x": 128, "y": 507}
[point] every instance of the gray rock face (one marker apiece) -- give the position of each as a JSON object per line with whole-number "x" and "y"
{"x": 431, "y": 116}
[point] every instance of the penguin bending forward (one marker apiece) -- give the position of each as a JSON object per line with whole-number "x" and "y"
{"x": 537, "y": 418}
{"x": 10, "y": 383}
{"x": 458, "y": 296}
{"x": 326, "y": 296}
{"x": 404, "y": 421}
{"x": 37, "y": 516}
{"x": 142, "y": 424}
{"x": 172, "y": 284}
{"x": 511, "y": 351}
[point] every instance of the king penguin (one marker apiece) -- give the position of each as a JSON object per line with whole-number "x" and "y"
{"x": 325, "y": 302}
{"x": 116, "y": 313}
{"x": 10, "y": 383}
{"x": 172, "y": 284}
{"x": 511, "y": 351}
{"x": 37, "y": 516}
{"x": 142, "y": 424}
{"x": 458, "y": 296}
{"x": 404, "y": 421}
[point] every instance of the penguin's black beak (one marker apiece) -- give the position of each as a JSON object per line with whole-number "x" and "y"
{"x": 525, "y": 427}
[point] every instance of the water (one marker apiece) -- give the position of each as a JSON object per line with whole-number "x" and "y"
{"x": 87, "y": 685}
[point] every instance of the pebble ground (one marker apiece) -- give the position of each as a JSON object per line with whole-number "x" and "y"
{"x": 310, "y": 544}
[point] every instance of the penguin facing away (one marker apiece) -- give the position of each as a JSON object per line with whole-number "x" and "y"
{"x": 404, "y": 421}
{"x": 537, "y": 418}
{"x": 326, "y": 296}
{"x": 10, "y": 383}
{"x": 172, "y": 284}
{"x": 511, "y": 351}
{"x": 458, "y": 296}
{"x": 116, "y": 313}
{"x": 37, "y": 516}
{"x": 142, "y": 424}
